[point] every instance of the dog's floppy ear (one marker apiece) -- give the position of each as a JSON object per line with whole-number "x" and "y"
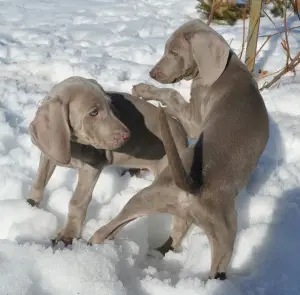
{"x": 50, "y": 131}
{"x": 95, "y": 82}
{"x": 210, "y": 52}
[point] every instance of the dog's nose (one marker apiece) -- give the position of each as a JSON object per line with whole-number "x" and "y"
{"x": 153, "y": 73}
{"x": 122, "y": 137}
{"x": 125, "y": 135}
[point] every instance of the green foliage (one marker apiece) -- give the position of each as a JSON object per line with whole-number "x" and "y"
{"x": 224, "y": 13}
{"x": 279, "y": 7}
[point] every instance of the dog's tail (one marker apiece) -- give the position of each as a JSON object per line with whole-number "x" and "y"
{"x": 179, "y": 174}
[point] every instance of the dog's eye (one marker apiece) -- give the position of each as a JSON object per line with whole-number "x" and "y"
{"x": 94, "y": 113}
{"x": 174, "y": 53}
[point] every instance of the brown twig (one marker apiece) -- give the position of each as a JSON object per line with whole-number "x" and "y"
{"x": 296, "y": 8}
{"x": 279, "y": 33}
{"x": 288, "y": 53}
{"x": 244, "y": 29}
{"x": 270, "y": 19}
{"x": 214, "y": 7}
{"x": 291, "y": 66}
{"x": 291, "y": 63}
{"x": 286, "y": 30}
{"x": 267, "y": 75}
{"x": 261, "y": 47}
{"x": 253, "y": 30}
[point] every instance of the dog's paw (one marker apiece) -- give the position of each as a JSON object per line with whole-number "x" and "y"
{"x": 66, "y": 241}
{"x": 101, "y": 235}
{"x": 219, "y": 276}
{"x": 96, "y": 238}
{"x": 66, "y": 236}
{"x": 32, "y": 203}
{"x": 141, "y": 90}
{"x": 93, "y": 240}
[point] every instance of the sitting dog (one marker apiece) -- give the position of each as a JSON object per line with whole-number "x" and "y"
{"x": 81, "y": 126}
{"x": 228, "y": 118}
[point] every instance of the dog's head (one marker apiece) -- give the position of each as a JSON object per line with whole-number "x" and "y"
{"x": 78, "y": 109}
{"x": 193, "y": 50}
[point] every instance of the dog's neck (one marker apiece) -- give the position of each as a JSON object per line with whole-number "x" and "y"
{"x": 88, "y": 149}
{"x": 197, "y": 81}
{"x": 201, "y": 95}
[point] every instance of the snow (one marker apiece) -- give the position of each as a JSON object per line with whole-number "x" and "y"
{"x": 116, "y": 42}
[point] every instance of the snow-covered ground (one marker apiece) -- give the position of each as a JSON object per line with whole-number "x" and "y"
{"x": 116, "y": 42}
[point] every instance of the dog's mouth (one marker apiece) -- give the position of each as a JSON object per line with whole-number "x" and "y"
{"x": 169, "y": 81}
{"x": 116, "y": 143}
{"x": 187, "y": 75}
{"x": 110, "y": 144}
{"x": 191, "y": 73}
{"x": 177, "y": 79}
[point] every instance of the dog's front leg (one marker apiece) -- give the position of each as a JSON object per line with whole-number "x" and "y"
{"x": 174, "y": 102}
{"x": 171, "y": 98}
{"x": 87, "y": 179}
{"x": 44, "y": 173}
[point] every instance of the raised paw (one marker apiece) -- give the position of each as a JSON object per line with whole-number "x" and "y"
{"x": 142, "y": 90}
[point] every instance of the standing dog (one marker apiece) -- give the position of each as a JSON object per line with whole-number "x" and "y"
{"x": 227, "y": 116}
{"x": 81, "y": 126}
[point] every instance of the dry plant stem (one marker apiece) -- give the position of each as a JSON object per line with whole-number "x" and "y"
{"x": 286, "y": 46}
{"x": 296, "y": 7}
{"x": 279, "y": 33}
{"x": 270, "y": 19}
{"x": 244, "y": 29}
{"x": 286, "y": 30}
{"x": 253, "y": 29}
{"x": 267, "y": 75}
{"x": 213, "y": 9}
{"x": 286, "y": 37}
{"x": 290, "y": 67}
{"x": 261, "y": 47}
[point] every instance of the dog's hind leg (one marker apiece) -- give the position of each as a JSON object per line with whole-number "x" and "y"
{"x": 179, "y": 229}
{"x": 221, "y": 232}
{"x": 231, "y": 219}
{"x": 152, "y": 199}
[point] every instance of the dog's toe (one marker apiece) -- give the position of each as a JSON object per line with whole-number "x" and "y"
{"x": 65, "y": 240}
{"x": 54, "y": 242}
{"x": 220, "y": 276}
{"x": 141, "y": 89}
{"x": 134, "y": 91}
{"x": 31, "y": 202}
